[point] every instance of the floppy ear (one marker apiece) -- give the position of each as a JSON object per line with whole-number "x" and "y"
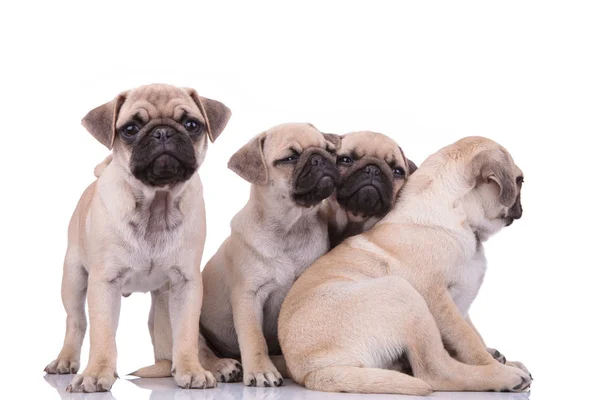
{"x": 249, "y": 161}
{"x": 101, "y": 121}
{"x": 334, "y": 140}
{"x": 495, "y": 165}
{"x": 214, "y": 112}
{"x": 412, "y": 167}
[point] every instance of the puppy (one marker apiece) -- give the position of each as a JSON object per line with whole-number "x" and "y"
{"x": 140, "y": 227}
{"x": 399, "y": 292}
{"x": 373, "y": 168}
{"x": 274, "y": 238}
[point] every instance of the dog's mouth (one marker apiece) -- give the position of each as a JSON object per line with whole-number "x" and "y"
{"x": 166, "y": 169}
{"x": 164, "y": 163}
{"x": 315, "y": 180}
{"x": 365, "y": 196}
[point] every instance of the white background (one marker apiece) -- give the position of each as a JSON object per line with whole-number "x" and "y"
{"x": 526, "y": 74}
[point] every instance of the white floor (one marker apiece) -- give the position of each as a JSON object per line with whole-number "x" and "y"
{"x": 165, "y": 389}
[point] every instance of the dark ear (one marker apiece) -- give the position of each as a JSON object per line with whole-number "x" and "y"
{"x": 249, "y": 161}
{"x": 214, "y": 112}
{"x": 101, "y": 121}
{"x": 334, "y": 140}
{"x": 412, "y": 167}
{"x": 495, "y": 165}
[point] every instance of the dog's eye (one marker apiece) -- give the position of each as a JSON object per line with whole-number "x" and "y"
{"x": 130, "y": 129}
{"x": 399, "y": 172}
{"x": 191, "y": 125}
{"x": 289, "y": 159}
{"x": 344, "y": 160}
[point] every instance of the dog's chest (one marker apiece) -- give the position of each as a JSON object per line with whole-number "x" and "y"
{"x": 153, "y": 242}
{"x": 465, "y": 280}
{"x": 292, "y": 260}
{"x": 156, "y": 223}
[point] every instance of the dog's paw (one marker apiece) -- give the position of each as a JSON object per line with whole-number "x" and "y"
{"x": 519, "y": 365}
{"x": 62, "y": 366}
{"x": 227, "y": 370}
{"x": 511, "y": 379}
{"x": 93, "y": 380}
{"x": 267, "y": 376}
{"x": 194, "y": 377}
{"x": 497, "y": 355}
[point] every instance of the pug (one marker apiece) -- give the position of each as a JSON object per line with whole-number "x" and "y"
{"x": 274, "y": 238}
{"x": 140, "y": 227}
{"x": 373, "y": 169}
{"x": 400, "y": 292}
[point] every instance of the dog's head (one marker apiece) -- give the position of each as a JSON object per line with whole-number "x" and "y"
{"x": 295, "y": 161}
{"x": 373, "y": 168}
{"x": 158, "y": 132}
{"x": 494, "y": 180}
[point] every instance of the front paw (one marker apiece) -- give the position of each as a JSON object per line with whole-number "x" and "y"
{"x": 510, "y": 379}
{"x": 62, "y": 366}
{"x": 227, "y": 370}
{"x": 519, "y": 365}
{"x": 263, "y": 375}
{"x": 497, "y": 355}
{"x": 93, "y": 380}
{"x": 193, "y": 377}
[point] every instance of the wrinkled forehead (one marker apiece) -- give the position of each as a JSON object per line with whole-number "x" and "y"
{"x": 518, "y": 171}
{"x": 297, "y": 136}
{"x": 157, "y": 101}
{"x": 371, "y": 144}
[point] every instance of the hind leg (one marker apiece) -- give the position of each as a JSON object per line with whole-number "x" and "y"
{"x": 73, "y": 291}
{"x": 361, "y": 331}
{"x": 159, "y": 324}
{"x": 431, "y": 362}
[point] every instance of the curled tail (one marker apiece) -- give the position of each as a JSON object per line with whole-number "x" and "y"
{"x": 162, "y": 369}
{"x": 365, "y": 380}
{"x": 102, "y": 166}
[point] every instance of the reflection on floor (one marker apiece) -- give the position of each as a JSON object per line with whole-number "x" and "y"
{"x": 166, "y": 389}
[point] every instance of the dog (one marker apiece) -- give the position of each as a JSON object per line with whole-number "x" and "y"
{"x": 373, "y": 169}
{"x": 140, "y": 227}
{"x": 399, "y": 294}
{"x": 274, "y": 238}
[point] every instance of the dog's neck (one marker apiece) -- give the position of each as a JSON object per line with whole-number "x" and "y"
{"x": 343, "y": 224}
{"x": 282, "y": 214}
{"x": 142, "y": 197}
{"x": 429, "y": 200}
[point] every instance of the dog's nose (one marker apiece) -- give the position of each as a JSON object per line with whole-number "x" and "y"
{"x": 372, "y": 170}
{"x": 316, "y": 160}
{"x": 163, "y": 132}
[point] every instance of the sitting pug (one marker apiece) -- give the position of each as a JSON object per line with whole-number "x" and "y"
{"x": 274, "y": 238}
{"x": 373, "y": 169}
{"x": 400, "y": 293}
{"x": 140, "y": 227}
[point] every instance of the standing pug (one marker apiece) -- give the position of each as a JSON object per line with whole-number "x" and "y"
{"x": 373, "y": 169}
{"x": 401, "y": 291}
{"x": 274, "y": 238}
{"x": 140, "y": 227}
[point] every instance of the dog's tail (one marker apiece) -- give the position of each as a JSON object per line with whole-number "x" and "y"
{"x": 162, "y": 369}
{"x": 102, "y": 166}
{"x": 365, "y": 380}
